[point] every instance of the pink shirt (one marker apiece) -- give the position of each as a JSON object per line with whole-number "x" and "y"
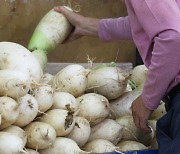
{"x": 154, "y": 26}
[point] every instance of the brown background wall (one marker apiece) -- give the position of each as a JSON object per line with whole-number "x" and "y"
{"x": 18, "y": 19}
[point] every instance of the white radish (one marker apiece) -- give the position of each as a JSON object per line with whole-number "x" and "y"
{"x": 28, "y": 110}
{"x": 131, "y": 132}
{"x": 71, "y": 79}
{"x": 138, "y": 75}
{"x": 46, "y": 78}
{"x": 63, "y": 145}
{"x": 44, "y": 96}
{"x": 40, "y": 135}
{"x": 81, "y": 131}
{"x": 100, "y": 146}
{"x": 9, "y": 110}
{"x": 18, "y": 132}
{"x": 159, "y": 111}
{"x": 61, "y": 120}
{"x": 51, "y": 31}
{"x": 93, "y": 107}
{"x": 10, "y": 143}
{"x": 108, "y": 129}
{"x": 62, "y": 99}
{"x": 13, "y": 83}
{"x": 16, "y": 57}
{"x": 125, "y": 146}
{"x": 110, "y": 82}
{"x": 122, "y": 105}
{"x": 31, "y": 151}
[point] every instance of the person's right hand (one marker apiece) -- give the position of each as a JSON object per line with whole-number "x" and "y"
{"x": 83, "y": 26}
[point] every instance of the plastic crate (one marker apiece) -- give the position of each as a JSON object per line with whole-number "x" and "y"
{"x": 136, "y": 152}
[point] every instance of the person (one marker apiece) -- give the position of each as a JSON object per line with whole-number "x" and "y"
{"x": 154, "y": 26}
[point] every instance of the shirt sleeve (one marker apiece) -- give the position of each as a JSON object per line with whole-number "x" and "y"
{"x": 164, "y": 68}
{"x": 164, "y": 30}
{"x": 115, "y": 29}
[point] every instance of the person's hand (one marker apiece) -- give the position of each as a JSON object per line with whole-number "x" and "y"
{"x": 141, "y": 114}
{"x": 83, "y": 26}
{"x": 75, "y": 20}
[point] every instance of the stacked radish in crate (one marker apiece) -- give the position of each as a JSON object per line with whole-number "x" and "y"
{"x": 77, "y": 110}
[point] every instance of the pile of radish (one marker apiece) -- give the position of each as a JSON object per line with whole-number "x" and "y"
{"x": 77, "y": 110}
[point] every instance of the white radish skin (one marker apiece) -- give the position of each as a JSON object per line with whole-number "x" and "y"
{"x": 125, "y": 146}
{"x": 16, "y": 57}
{"x": 61, "y": 120}
{"x": 9, "y": 110}
{"x": 30, "y": 151}
{"x": 28, "y": 110}
{"x": 138, "y": 75}
{"x": 131, "y": 132}
{"x": 13, "y": 83}
{"x": 51, "y": 31}
{"x": 122, "y": 105}
{"x": 46, "y": 78}
{"x": 44, "y": 96}
{"x": 159, "y": 111}
{"x": 110, "y": 82}
{"x": 62, "y": 99}
{"x": 10, "y": 143}
{"x": 63, "y": 145}
{"x": 93, "y": 107}
{"x": 81, "y": 131}
{"x": 18, "y": 132}
{"x": 40, "y": 135}
{"x": 71, "y": 79}
{"x": 108, "y": 129}
{"x": 99, "y": 146}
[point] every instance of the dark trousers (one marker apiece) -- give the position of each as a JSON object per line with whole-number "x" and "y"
{"x": 168, "y": 127}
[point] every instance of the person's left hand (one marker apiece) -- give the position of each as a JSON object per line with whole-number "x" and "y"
{"x": 141, "y": 114}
